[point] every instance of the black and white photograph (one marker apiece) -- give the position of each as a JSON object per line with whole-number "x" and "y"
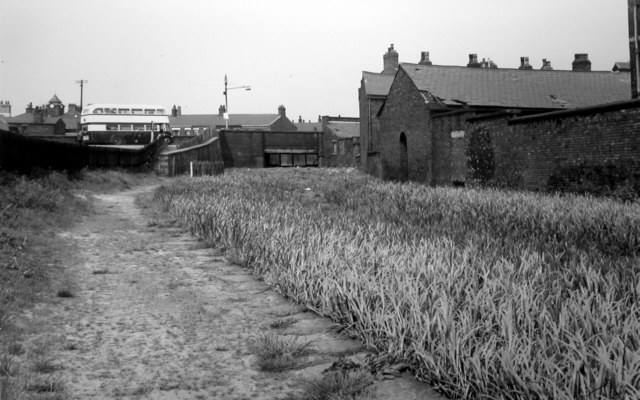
{"x": 320, "y": 200}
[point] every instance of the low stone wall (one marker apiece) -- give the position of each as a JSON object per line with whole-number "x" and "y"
{"x": 206, "y": 159}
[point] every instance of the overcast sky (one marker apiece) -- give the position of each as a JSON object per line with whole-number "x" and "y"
{"x": 306, "y": 54}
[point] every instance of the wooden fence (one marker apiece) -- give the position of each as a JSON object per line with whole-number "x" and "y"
{"x": 202, "y": 159}
{"x": 23, "y": 153}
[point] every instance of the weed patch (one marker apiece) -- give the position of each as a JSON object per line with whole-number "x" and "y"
{"x": 348, "y": 385}
{"x": 278, "y": 353}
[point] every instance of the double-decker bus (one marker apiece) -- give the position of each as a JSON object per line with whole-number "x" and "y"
{"x": 120, "y": 124}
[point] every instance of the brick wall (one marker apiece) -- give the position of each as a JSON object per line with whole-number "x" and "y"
{"x": 370, "y": 132}
{"x": 246, "y": 148}
{"x": 449, "y": 158}
{"x": 405, "y": 111}
{"x": 528, "y": 150}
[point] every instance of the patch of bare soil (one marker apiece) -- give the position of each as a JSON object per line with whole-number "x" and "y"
{"x": 149, "y": 313}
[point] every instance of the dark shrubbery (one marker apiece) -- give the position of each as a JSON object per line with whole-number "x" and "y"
{"x": 615, "y": 178}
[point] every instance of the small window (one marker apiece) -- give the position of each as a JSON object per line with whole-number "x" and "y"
{"x": 335, "y": 147}
{"x": 342, "y": 147}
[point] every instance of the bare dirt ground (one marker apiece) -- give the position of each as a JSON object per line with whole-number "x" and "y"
{"x": 154, "y": 314}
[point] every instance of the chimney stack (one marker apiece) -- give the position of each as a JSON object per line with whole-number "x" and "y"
{"x": 29, "y": 108}
{"x": 546, "y": 65}
{"x": 282, "y": 111}
{"x": 221, "y": 110}
{"x": 524, "y": 63}
{"x": 581, "y": 63}
{"x": 174, "y": 111}
{"x": 38, "y": 116}
{"x": 390, "y": 59}
{"x": 473, "y": 61}
{"x": 424, "y": 58}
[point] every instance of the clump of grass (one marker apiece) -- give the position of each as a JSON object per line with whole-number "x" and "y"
{"x": 15, "y": 349}
{"x": 8, "y": 366}
{"x": 277, "y": 353}
{"x": 5, "y": 318}
{"x": 48, "y": 388}
{"x": 11, "y": 389}
{"x": 338, "y": 385}
{"x": 41, "y": 356}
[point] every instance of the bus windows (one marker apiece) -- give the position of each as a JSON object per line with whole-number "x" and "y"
{"x": 97, "y": 110}
{"x": 112, "y": 127}
{"x": 160, "y": 111}
{"x": 125, "y": 127}
{"x": 138, "y": 127}
{"x": 124, "y": 111}
{"x": 110, "y": 111}
{"x": 136, "y": 111}
{"x": 149, "y": 111}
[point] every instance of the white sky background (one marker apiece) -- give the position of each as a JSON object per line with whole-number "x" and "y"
{"x": 306, "y": 54}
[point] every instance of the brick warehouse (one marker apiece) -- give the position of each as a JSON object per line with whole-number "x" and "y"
{"x": 434, "y": 121}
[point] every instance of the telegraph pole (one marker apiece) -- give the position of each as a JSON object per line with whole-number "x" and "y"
{"x": 81, "y": 82}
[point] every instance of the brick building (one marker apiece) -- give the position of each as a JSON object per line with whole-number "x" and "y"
{"x": 341, "y": 137}
{"x": 425, "y": 113}
{"x": 372, "y": 93}
{"x": 46, "y": 120}
{"x": 194, "y": 124}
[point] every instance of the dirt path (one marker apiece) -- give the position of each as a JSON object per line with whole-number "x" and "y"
{"x": 153, "y": 316}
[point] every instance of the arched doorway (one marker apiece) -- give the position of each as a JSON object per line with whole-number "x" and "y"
{"x": 404, "y": 160}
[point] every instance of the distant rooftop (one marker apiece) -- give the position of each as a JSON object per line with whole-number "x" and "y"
{"x": 377, "y": 84}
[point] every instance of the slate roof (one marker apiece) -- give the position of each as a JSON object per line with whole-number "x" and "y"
{"x": 55, "y": 100}
{"x": 245, "y": 120}
{"x": 344, "y": 129}
{"x": 28, "y": 118}
{"x": 3, "y": 125}
{"x": 308, "y": 126}
{"x": 622, "y": 66}
{"x": 518, "y": 88}
{"x": 376, "y": 84}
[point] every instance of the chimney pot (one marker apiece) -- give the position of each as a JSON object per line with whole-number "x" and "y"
{"x": 424, "y": 58}
{"x": 390, "y": 61}
{"x": 473, "y": 61}
{"x": 546, "y": 65}
{"x": 524, "y": 63}
{"x": 581, "y": 63}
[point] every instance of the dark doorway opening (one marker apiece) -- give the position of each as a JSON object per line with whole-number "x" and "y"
{"x": 404, "y": 159}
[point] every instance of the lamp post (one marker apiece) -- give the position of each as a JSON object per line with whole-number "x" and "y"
{"x": 226, "y": 102}
{"x": 81, "y": 82}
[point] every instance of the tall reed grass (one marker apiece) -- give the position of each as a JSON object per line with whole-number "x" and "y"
{"x": 488, "y": 294}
